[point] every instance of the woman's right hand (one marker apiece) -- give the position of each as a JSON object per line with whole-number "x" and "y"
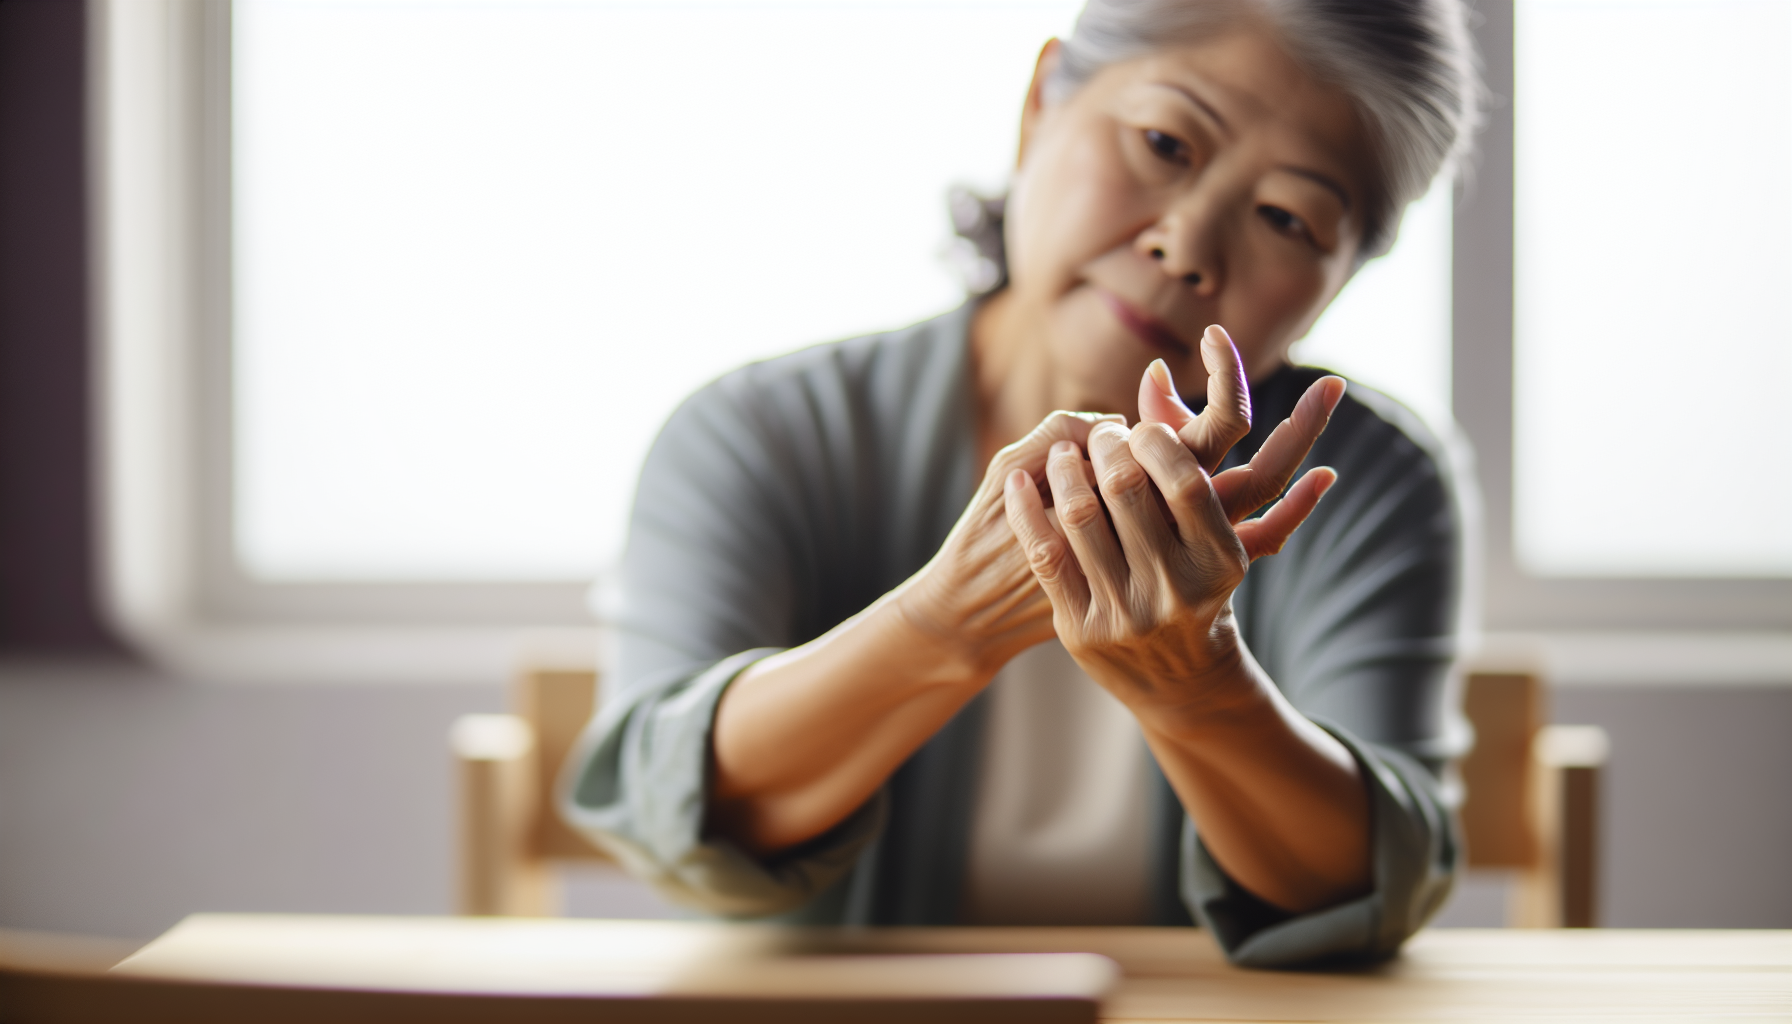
{"x": 978, "y": 598}
{"x": 804, "y": 737}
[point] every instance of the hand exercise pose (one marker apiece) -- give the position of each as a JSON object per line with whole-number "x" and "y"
{"x": 1142, "y": 601}
{"x": 1111, "y": 682}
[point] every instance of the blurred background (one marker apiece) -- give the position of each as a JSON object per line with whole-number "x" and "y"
{"x": 332, "y": 334}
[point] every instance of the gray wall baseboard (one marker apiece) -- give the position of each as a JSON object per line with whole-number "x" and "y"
{"x": 1698, "y": 809}
{"x": 128, "y": 800}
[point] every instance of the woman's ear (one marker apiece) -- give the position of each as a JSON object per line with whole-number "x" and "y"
{"x": 1034, "y": 109}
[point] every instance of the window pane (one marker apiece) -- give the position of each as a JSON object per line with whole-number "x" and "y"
{"x": 1653, "y": 337}
{"x": 482, "y": 249}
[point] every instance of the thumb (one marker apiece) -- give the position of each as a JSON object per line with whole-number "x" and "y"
{"x": 1158, "y": 400}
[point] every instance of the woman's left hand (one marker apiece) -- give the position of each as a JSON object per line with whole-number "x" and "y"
{"x": 1148, "y": 546}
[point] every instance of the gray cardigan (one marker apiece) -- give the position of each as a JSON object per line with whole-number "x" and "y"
{"x": 790, "y": 494}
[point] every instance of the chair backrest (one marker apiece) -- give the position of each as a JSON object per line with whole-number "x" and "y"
{"x": 557, "y": 703}
{"x": 1498, "y": 821}
{"x": 1532, "y": 805}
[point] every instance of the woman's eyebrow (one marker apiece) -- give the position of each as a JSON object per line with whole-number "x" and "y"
{"x": 1323, "y": 180}
{"x": 1205, "y": 106}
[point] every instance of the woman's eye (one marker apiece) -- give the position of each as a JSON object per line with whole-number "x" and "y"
{"x": 1283, "y": 221}
{"x": 1168, "y": 147}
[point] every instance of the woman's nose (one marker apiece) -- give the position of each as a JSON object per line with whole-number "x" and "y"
{"x": 1184, "y": 243}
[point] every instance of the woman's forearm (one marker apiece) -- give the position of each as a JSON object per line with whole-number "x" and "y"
{"x": 1279, "y": 802}
{"x": 805, "y": 737}
{"x": 1142, "y": 600}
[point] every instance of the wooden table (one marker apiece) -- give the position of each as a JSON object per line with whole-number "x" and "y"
{"x": 1442, "y": 975}
{"x": 1165, "y": 974}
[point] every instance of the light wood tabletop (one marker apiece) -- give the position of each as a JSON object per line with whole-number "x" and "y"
{"x": 1163, "y": 974}
{"x": 1175, "y": 974}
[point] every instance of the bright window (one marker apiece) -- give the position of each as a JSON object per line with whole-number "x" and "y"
{"x": 1653, "y": 337}
{"x": 482, "y": 249}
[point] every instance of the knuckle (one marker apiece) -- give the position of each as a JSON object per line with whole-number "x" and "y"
{"x": 1156, "y": 438}
{"x": 1107, "y": 432}
{"x": 1065, "y": 473}
{"x": 1211, "y": 573}
{"x": 1053, "y": 428}
{"x": 1046, "y": 556}
{"x": 1187, "y": 489}
{"x": 1080, "y": 511}
{"x": 1124, "y": 480}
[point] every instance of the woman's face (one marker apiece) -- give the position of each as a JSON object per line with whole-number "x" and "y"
{"x": 1211, "y": 183}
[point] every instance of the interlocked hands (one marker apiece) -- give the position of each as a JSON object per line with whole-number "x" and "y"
{"x": 1147, "y": 544}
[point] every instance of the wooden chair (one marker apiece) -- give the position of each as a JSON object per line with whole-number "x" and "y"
{"x": 510, "y": 837}
{"x": 1532, "y": 808}
{"x": 1533, "y": 801}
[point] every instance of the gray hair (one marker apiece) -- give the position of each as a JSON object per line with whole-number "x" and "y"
{"x": 1408, "y": 66}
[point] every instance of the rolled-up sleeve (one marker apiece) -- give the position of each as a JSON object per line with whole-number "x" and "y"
{"x": 640, "y": 792}
{"x": 1357, "y": 620}
{"x": 1412, "y": 856}
{"x": 709, "y": 585}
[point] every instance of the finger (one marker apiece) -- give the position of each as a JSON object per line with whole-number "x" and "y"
{"x": 1185, "y": 486}
{"x": 1227, "y": 418}
{"x": 1030, "y": 452}
{"x": 1246, "y": 489}
{"x": 1158, "y": 400}
{"x": 1266, "y": 534}
{"x": 1048, "y": 553}
{"x": 1125, "y": 485}
{"x": 1085, "y": 523}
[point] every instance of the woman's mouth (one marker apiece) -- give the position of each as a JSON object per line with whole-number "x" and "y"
{"x": 1144, "y": 326}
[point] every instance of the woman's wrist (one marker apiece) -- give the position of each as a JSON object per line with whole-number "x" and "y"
{"x": 1223, "y": 692}
{"x": 939, "y": 647}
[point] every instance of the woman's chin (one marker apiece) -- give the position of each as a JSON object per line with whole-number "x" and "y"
{"x": 1103, "y": 376}
{"x": 1101, "y": 361}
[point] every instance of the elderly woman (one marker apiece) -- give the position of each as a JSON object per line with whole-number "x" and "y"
{"x": 855, "y": 685}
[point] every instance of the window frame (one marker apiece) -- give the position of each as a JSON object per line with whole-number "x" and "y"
{"x": 160, "y": 153}
{"x": 1514, "y": 600}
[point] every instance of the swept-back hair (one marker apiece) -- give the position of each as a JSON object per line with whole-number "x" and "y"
{"x": 1407, "y": 65}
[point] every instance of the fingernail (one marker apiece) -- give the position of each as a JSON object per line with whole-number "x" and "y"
{"x": 1160, "y": 373}
{"x": 1018, "y": 479}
